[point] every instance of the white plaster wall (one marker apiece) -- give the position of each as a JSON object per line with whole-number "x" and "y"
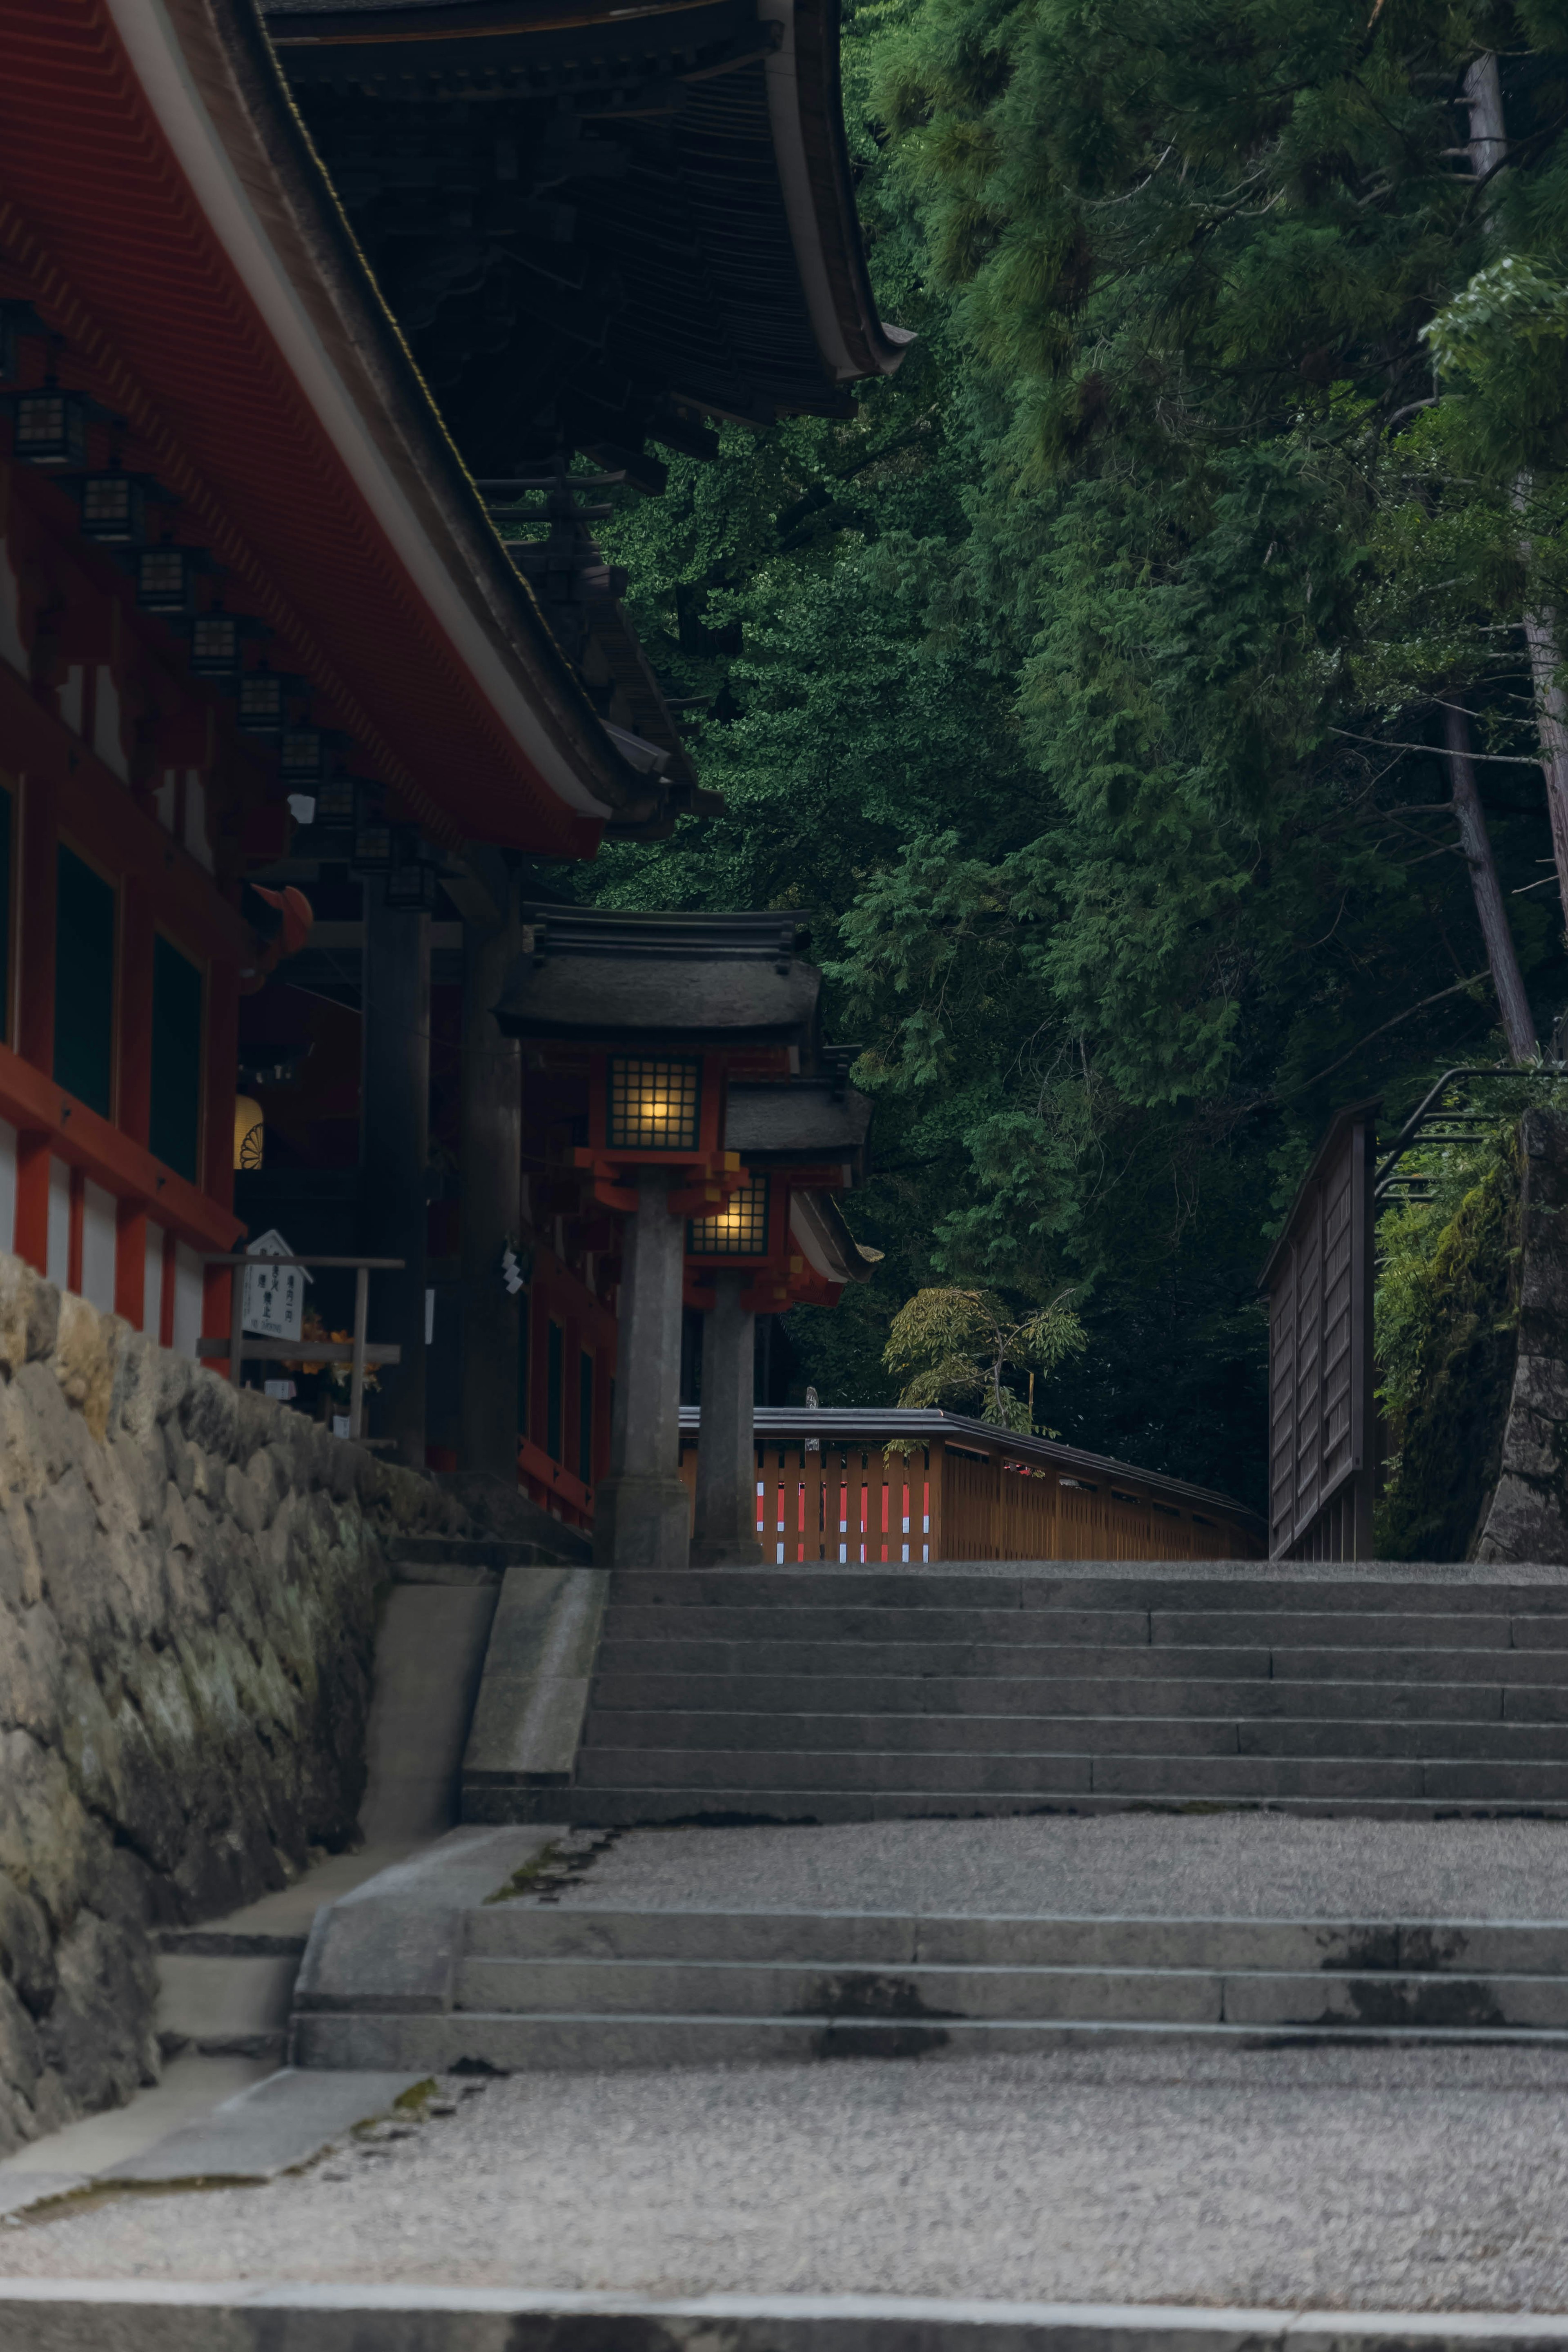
{"x": 152, "y": 1282}
{"x": 58, "y": 1260}
{"x": 106, "y": 737}
{"x": 98, "y": 1245}
{"x": 7, "y": 1185}
{"x": 187, "y": 1300}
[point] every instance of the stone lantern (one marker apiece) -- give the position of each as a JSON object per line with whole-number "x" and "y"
{"x": 777, "y": 1241}
{"x": 653, "y": 1019}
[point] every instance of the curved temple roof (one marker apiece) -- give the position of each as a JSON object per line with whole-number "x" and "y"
{"x": 599, "y": 223}
{"x": 162, "y": 212}
{"x": 590, "y": 972}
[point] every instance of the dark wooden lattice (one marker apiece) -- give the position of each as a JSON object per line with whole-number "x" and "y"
{"x": 1322, "y": 1466}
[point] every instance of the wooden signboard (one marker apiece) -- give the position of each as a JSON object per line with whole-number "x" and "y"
{"x": 1322, "y": 1412}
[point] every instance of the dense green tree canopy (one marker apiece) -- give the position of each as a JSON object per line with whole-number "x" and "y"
{"x": 1087, "y": 681}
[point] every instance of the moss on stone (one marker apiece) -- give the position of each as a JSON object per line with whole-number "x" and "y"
{"x": 1448, "y": 1339}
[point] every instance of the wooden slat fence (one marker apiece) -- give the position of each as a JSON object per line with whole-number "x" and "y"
{"x": 861, "y": 1502}
{"x": 1322, "y": 1402}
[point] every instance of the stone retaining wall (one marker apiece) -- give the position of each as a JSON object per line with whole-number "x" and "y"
{"x": 1526, "y": 1515}
{"x": 188, "y": 1578}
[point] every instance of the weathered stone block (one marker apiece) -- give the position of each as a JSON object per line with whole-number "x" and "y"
{"x": 187, "y": 1593}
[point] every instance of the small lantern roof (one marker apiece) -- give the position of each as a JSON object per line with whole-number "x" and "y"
{"x": 817, "y": 1223}
{"x": 804, "y": 1122}
{"x": 598, "y": 976}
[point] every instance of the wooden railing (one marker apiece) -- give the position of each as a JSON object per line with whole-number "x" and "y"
{"x": 240, "y": 1349}
{"x": 897, "y": 1487}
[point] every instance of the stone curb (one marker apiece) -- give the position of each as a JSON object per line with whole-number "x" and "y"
{"x": 533, "y": 1695}
{"x": 145, "y": 2315}
{"x": 396, "y": 1942}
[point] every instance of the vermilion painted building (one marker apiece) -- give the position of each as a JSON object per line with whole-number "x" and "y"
{"x": 229, "y": 515}
{"x": 282, "y": 718}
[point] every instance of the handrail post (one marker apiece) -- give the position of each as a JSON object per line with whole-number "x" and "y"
{"x": 936, "y": 1534}
{"x": 356, "y": 1372}
{"x": 236, "y": 1323}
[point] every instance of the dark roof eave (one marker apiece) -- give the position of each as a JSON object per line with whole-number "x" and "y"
{"x": 806, "y": 104}
{"x": 407, "y": 424}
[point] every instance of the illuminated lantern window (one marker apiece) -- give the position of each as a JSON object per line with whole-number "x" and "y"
{"x": 335, "y": 802}
{"x": 739, "y": 1229}
{"x": 214, "y": 646}
{"x": 301, "y": 755}
{"x": 248, "y": 1136}
{"x": 372, "y": 850}
{"x": 113, "y": 509}
{"x": 262, "y": 700}
{"x": 51, "y": 428}
{"x": 165, "y": 580}
{"x": 654, "y": 1104}
{"x": 411, "y": 879}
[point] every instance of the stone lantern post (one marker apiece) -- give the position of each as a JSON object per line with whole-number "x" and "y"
{"x": 644, "y": 1019}
{"x": 799, "y": 1143}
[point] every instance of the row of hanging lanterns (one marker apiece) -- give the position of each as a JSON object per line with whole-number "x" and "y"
{"x": 50, "y": 431}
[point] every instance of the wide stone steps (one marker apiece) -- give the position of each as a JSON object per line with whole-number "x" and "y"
{"x": 1026, "y": 1735}
{"x": 569, "y": 1986}
{"x": 839, "y": 1694}
{"x": 995, "y": 1696}
{"x": 1180, "y": 1777}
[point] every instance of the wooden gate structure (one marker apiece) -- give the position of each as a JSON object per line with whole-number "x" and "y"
{"x": 1322, "y": 1404}
{"x": 901, "y": 1486}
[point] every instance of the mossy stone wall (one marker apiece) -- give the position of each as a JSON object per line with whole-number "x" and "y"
{"x": 188, "y": 1581}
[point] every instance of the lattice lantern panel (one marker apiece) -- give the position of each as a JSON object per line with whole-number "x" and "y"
{"x": 654, "y": 1103}
{"x": 739, "y": 1229}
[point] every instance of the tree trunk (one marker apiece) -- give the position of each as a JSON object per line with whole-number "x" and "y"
{"x": 1513, "y": 1003}
{"x": 1488, "y": 141}
{"x": 1488, "y": 144}
{"x": 1551, "y": 712}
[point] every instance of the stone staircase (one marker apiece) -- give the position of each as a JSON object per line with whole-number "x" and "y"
{"x": 540, "y": 1984}
{"x": 834, "y": 1695}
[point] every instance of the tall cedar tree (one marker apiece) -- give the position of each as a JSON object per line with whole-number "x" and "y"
{"x": 1078, "y": 683}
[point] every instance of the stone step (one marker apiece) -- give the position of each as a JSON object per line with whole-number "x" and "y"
{"x": 498, "y": 2041}
{"x": 1022, "y": 1586}
{"x": 643, "y": 1807}
{"x": 1078, "y": 1735}
{"x": 1021, "y": 1663}
{"x": 529, "y": 1930}
{"x": 227, "y": 2004}
{"x": 996, "y": 1696}
{"x": 1101, "y": 1996}
{"x": 1271, "y": 1628}
{"x": 488, "y": 1555}
{"x": 152, "y": 2314}
{"x": 1164, "y": 1778}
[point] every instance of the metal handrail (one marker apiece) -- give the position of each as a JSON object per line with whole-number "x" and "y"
{"x": 1408, "y": 1134}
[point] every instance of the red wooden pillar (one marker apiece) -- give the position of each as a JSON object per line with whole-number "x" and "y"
{"x": 36, "y": 1000}
{"x": 221, "y": 1083}
{"x": 604, "y": 1386}
{"x": 133, "y": 1091}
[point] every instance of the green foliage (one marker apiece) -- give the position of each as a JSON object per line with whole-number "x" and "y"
{"x": 950, "y": 1347}
{"x": 1446, "y": 1345}
{"x": 1064, "y": 680}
